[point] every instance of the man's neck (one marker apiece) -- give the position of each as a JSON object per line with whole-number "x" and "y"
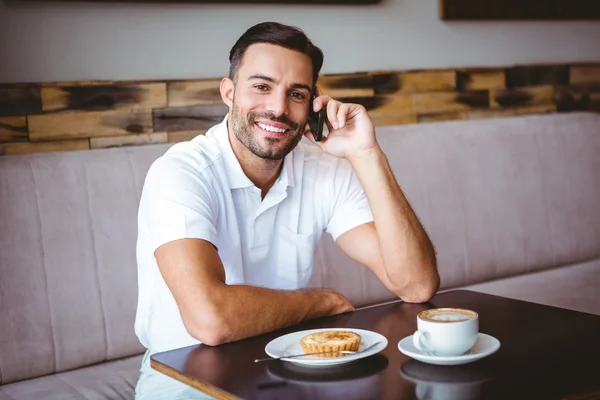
{"x": 263, "y": 173}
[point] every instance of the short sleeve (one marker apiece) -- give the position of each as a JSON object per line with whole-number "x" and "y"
{"x": 350, "y": 205}
{"x": 177, "y": 203}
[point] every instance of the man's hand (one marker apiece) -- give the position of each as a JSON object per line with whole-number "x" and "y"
{"x": 351, "y": 131}
{"x": 340, "y": 304}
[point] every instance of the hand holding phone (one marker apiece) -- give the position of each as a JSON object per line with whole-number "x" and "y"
{"x": 316, "y": 120}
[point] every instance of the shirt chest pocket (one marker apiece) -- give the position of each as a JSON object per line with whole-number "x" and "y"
{"x": 295, "y": 257}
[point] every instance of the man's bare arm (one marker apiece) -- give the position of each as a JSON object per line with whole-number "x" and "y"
{"x": 395, "y": 247}
{"x": 215, "y": 313}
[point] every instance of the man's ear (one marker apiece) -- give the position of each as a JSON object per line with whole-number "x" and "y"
{"x": 227, "y": 88}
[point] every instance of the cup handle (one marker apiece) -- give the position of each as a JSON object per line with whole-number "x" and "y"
{"x": 420, "y": 340}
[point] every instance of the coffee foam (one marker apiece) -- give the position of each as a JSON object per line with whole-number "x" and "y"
{"x": 447, "y": 315}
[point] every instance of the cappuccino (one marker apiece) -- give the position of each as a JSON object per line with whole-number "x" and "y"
{"x": 446, "y": 331}
{"x": 447, "y": 315}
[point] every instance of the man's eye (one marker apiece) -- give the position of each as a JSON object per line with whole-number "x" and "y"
{"x": 261, "y": 87}
{"x": 298, "y": 95}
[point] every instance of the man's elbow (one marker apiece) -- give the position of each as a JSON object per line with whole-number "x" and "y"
{"x": 420, "y": 289}
{"x": 420, "y": 292}
{"x": 210, "y": 328}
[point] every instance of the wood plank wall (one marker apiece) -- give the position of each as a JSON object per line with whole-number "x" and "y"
{"x": 519, "y": 10}
{"x": 66, "y": 116}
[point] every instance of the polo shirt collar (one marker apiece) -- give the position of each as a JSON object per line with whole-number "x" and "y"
{"x": 235, "y": 174}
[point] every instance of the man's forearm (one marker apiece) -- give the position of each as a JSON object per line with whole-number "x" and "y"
{"x": 236, "y": 312}
{"x": 407, "y": 253}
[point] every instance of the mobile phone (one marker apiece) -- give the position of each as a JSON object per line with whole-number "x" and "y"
{"x": 316, "y": 120}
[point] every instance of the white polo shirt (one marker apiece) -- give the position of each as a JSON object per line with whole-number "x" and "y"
{"x": 197, "y": 189}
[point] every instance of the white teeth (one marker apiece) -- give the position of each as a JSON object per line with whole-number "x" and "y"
{"x": 271, "y": 128}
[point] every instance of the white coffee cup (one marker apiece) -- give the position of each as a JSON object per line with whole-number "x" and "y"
{"x": 446, "y": 331}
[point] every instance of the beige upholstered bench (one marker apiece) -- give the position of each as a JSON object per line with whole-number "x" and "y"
{"x": 512, "y": 206}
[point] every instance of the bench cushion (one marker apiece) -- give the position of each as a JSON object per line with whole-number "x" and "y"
{"x": 575, "y": 287}
{"x": 109, "y": 380}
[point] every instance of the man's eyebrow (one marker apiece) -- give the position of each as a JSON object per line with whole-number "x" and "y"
{"x": 301, "y": 86}
{"x": 262, "y": 77}
{"x": 269, "y": 79}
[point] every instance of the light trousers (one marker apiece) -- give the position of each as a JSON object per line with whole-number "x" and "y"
{"x": 154, "y": 385}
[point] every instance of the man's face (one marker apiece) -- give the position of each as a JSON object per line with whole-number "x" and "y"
{"x": 271, "y": 99}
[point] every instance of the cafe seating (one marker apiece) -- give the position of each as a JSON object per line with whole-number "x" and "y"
{"x": 510, "y": 204}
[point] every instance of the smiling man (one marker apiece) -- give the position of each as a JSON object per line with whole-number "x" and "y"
{"x": 229, "y": 222}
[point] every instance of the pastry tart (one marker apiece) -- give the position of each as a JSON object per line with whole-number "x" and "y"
{"x": 330, "y": 341}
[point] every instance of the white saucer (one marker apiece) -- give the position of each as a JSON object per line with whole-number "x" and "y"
{"x": 483, "y": 347}
{"x": 289, "y": 344}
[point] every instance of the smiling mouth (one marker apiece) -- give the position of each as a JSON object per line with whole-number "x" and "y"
{"x": 271, "y": 129}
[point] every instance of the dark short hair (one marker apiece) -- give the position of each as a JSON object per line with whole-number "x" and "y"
{"x": 278, "y": 34}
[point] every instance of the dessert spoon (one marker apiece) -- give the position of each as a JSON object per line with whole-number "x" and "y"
{"x": 321, "y": 352}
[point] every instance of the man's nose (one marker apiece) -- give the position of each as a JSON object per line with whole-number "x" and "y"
{"x": 278, "y": 104}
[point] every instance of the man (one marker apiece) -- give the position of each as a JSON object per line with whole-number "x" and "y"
{"x": 228, "y": 223}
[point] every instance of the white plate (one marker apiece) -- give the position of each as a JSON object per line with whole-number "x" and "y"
{"x": 289, "y": 344}
{"x": 483, "y": 347}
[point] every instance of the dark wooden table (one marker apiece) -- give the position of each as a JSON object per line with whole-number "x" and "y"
{"x": 546, "y": 353}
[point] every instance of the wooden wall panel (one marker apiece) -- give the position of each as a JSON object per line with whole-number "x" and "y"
{"x": 390, "y": 119}
{"x": 505, "y": 98}
{"x": 183, "y": 136}
{"x": 188, "y": 118}
{"x": 44, "y": 147}
{"x": 81, "y": 115}
{"x": 438, "y": 117}
{"x": 536, "y": 109}
{"x": 426, "y": 81}
{"x": 581, "y": 75}
{"x": 88, "y": 124}
{"x": 449, "y": 102}
{"x": 13, "y": 129}
{"x": 129, "y": 140}
{"x": 485, "y": 114}
{"x": 519, "y": 9}
{"x": 104, "y": 97}
{"x": 19, "y": 100}
{"x": 395, "y": 83}
{"x": 383, "y": 106}
{"x": 192, "y": 93}
{"x": 511, "y": 112}
{"x": 537, "y": 76}
{"x": 578, "y": 98}
{"x": 350, "y": 85}
{"x": 480, "y": 80}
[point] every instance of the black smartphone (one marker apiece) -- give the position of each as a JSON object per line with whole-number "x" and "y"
{"x": 316, "y": 120}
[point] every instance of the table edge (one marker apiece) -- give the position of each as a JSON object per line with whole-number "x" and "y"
{"x": 194, "y": 383}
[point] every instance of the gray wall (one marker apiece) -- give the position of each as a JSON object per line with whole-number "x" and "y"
{"x": 88, "y": 41}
